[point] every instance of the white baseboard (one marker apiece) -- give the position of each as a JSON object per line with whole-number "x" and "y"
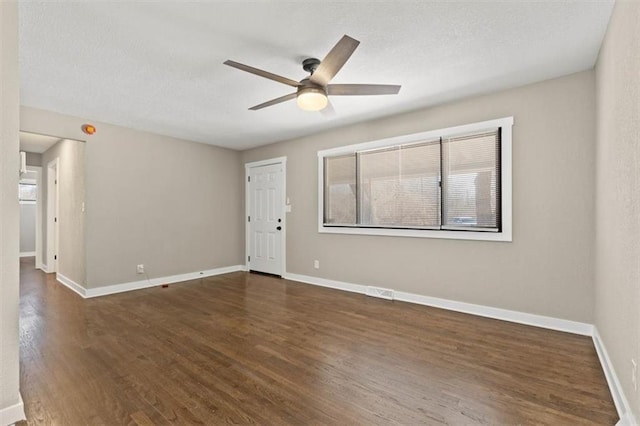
{"x": 137, "y": 285}
{"x": 323, "y": 282}
{"x": 627, "y": 420}
{"x": 68, "y": 282}
{"x": 452, "y": 305}
{"x": 619, "y": 399}
{"x": 45, "y": 268}
{"x": 541, "y": 321}
{"x": 13, "y": 413}
{"x": 27, "y": 254}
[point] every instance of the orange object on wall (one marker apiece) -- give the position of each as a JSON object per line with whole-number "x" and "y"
{"x": 88, "y": 129}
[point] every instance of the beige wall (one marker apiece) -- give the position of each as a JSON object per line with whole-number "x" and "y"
{"x": 170, "y": 204}
{"x": 546, "y": 270}
{"x": 71, "y": 190}
{"x": 9, "y": 209}
{"x": 617, "y": 193}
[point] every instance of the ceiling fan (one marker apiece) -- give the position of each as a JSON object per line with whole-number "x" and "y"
{"x": 311, "y": 92}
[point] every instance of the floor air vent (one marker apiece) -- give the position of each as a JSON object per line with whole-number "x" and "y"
{"x": 382, "y": 293}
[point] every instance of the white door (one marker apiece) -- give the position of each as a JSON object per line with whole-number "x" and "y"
{"x": 266, "y": 218}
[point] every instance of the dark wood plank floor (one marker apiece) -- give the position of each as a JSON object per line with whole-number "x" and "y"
{"x": 244, "y": 348}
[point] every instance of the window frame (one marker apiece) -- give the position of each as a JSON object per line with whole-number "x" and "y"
{"x": 505, "y": 234}
{"x": 27, "y": 182}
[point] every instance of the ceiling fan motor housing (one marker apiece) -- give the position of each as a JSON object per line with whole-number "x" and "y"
{"x": 310, "y": 65}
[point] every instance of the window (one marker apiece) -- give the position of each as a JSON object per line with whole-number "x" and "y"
{"x": 27, "y": 191}
{"x": 449, "y": 183}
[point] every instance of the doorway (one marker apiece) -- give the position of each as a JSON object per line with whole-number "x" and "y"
{"x": 30, "y": 199}
{"x": 266, "y": 224}
{"x": 60, "y": 204}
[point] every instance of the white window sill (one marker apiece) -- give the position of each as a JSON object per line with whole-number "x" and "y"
{"x": 504, "y": 236}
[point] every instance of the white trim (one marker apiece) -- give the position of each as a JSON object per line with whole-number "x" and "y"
{"x": 535, "y": 320}
{"x": 247, "y": 232}
{"x": 452, "y": 305}
{"x": 506, "y": 173}
{"x": 39, "y": 209}
{"x": 72, "y": 285}
{"x": 44, "y": 268}
{"x": 138, "y": 285}
{"x": 277, "y": 160}
{"x": 13, "y": 413}
{"x": 617, "y": 393}
{"x": 420, "y": 137}
{"x": 324, "y": 282}
{"x": 23, "y": 163}
{"x": 27, "y": 253}
{"x": 627, "y": 419}
{"x": 53, "y": 205}
{"x": 419, "y": 233}
{"x": 505, "y": 123}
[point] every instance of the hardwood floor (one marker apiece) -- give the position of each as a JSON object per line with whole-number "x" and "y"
{"x": 245, "y": 348}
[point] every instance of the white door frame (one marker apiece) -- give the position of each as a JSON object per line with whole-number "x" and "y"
{"x": 247, "y": 172}
{"x": 39, "y": 209}
{"x": 53, "y": 209}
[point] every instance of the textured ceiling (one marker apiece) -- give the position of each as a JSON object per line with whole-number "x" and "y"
{"x": 157, "y": 66}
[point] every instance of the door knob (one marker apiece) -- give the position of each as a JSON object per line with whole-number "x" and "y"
{"x": 279, "y": 228}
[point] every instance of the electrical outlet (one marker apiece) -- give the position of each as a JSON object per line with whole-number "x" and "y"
{"x": 140, "y": 269}
{"x": 316, "y": 264}
{"x": 634, "y": 374}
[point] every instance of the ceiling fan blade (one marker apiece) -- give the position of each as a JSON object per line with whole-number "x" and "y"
{"x": 274, "y": 101}
{"x": 328, "y": 111}
{"x": 262, "y": 73}
{"x": 362, "y": 89}
{"x": 334, "y": 61}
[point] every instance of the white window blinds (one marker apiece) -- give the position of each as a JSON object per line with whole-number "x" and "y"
{"x": 471, "y": 181}
{"x": 450, "y": 183}
{"x": 399, "y": 186}
{"x": 340, "y": 190}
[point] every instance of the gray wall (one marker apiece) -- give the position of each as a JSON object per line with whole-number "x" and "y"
{"x": 618, "y": 203}
{"x": 34, "y": 159}
{"x": 546, "y": 270}
{"x": 173, "y": 205}
{"x": 27, "y": 227}
{"x": 71, "y": 221}
{"x": 9, "y": 211}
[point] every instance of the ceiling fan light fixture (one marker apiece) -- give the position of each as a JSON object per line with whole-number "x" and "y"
{"x": 312, "y": 99}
